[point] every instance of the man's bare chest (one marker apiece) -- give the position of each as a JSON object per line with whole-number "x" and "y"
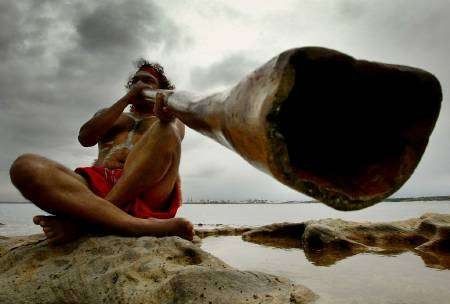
{"x": 127, "y": 125}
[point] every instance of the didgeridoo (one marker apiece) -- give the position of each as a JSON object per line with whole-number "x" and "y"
{"x": 346, "y": 132}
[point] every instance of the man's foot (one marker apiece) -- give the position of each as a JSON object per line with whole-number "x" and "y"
{"x": 171, "y": 227}
{"x": 58, "y": 230}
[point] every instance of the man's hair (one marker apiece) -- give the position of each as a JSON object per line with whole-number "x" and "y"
{"x": 164, "y": 83}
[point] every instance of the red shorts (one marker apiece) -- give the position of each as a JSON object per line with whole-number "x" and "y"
{"x": 101, "y": 180}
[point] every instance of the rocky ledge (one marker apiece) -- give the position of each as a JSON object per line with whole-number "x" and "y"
{"x": 220, "y": 230}
{"x": 113, "y": 269}
{"x": 329, "y": 240}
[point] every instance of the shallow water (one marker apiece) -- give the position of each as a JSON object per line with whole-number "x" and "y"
{"x": 362, "y": 278}
{"x": 17, "y": 217}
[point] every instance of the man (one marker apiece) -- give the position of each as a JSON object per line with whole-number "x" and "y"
{"x": 133, "y": 188}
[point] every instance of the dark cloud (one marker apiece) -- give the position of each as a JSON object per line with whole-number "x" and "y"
{"x": 10, "y": 24}
{"x": 124, "y": 25}
{"x": 62, "y": 61}
{"x": 113, "y": 34}
{"x": 228, "y": 71}
{"x": 405, "y": 25}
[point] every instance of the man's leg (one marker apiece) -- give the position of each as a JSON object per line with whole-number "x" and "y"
{"x": 151, "y": 167}
{"x": 59, "y": 191}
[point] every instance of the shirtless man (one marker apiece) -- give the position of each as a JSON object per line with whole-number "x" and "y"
{"x": 132, "y": 189}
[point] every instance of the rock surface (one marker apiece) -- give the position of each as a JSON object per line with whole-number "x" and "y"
{"x": 329, "y": 240}
{"x": 113, "y": 269}
{"x": 220, "y": 230}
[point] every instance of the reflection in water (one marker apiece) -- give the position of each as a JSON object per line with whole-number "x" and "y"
{"x": 383, "y": 277}
{"x": 328, "y": 257}
{"x": 330, "y": 240}
{"x": 433, "y": 260}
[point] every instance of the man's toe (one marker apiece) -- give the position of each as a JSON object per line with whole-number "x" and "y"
{"x": 52, "y": 240}
{"x": 50, "y": 234}
{"x": 39, "y": 219}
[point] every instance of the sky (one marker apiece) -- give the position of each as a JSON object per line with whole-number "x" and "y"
{"x": 61, "y": 61}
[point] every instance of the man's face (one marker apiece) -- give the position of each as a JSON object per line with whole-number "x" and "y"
{"x": 146, "y": 78}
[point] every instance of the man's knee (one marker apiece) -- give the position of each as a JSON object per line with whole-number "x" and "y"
{"x": 26, "y": 168}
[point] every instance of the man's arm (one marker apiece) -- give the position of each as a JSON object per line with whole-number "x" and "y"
{"x": 91, "y": 132}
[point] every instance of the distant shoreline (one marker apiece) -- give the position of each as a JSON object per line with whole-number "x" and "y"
{"x": 264, "y": 202}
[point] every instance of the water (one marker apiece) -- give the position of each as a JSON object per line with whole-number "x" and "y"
{"x": 17, "y": 217}
{"x": 362, "y": 278}
{"x": 271, "y": 213}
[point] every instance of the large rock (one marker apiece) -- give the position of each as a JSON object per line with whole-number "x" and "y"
{"x": 219, "y": 230}
{"x": 115, "y": 269}
{"x": 329, "y": 240}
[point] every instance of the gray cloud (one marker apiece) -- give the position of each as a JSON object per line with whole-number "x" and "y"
{"x": 351, "y": 9}
{"x": 120, "y": 26}
{"x": 212, "y": 171}
{"x": 220, "y": 11}
{"x": 62, "y": 61}
{"x": 10, "y": 20}
{"x": 227, "y": 71}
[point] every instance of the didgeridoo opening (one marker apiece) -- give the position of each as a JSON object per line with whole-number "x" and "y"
{"x": 353, "y": 130}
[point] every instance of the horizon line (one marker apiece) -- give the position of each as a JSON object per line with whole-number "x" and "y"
{"x": 267, "y": 201}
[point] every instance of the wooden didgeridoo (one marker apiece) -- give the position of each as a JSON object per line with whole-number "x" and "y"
{"x": 346, "y": 132}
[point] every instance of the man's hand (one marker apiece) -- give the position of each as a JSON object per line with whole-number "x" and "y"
{"x": 134, "y": 95}
{"x": 161, "y": 110}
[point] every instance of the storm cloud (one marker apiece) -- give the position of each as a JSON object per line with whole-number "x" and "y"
{"x": 63, "y": 60}
{"x": 225, "y": 72}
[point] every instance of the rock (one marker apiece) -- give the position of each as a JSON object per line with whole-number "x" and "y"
{"x": 329, "y": 240}
{"x": 222, "y": 230}
{"x": 284, "y": 235}
{"x": 113, "y": 269}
